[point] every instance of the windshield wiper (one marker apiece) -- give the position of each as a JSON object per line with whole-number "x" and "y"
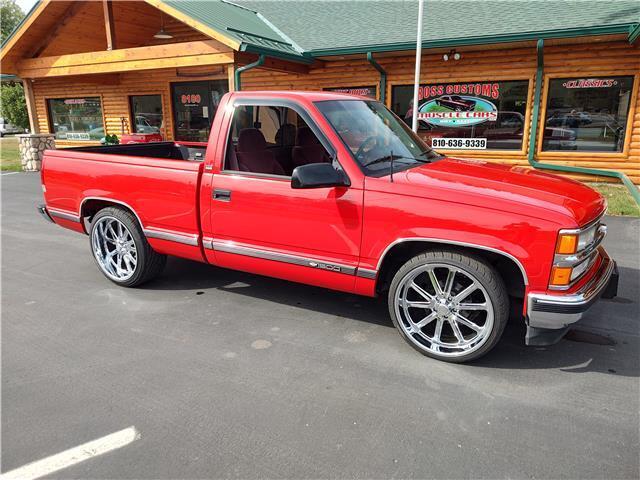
{"x": 433, "y": 154}
{"x": 388, "y": 158}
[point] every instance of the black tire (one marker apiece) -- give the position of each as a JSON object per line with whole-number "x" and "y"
{"x": 474, "y": 268}
{"x": 149, "y": 263}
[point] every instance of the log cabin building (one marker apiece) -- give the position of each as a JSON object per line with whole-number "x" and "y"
{"x": 515, "y": 82}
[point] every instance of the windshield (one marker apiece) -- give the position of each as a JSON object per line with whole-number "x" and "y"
{"x": 375, "y": 136}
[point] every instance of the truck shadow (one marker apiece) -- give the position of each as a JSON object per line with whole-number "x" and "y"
{"x": 581, "y": 351}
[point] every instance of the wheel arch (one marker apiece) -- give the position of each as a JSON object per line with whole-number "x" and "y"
{"x": 92, "y": 205}
{"x": 401, "y": 250}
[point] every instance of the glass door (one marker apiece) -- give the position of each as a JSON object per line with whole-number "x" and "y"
{"x": 194, "y": 107}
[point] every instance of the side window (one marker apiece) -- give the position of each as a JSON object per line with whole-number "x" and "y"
{"x": 271, "y": 140}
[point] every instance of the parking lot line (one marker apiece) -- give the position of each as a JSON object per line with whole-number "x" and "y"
{"x": 73, "y": 456}
{"x": 8, "y": 173}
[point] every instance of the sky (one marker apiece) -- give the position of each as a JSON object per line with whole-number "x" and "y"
{"x": 25, "y": 4}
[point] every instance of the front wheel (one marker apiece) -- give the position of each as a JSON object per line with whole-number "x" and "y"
{"x": 449, "y": 305}
{"x": 121, "y": 250}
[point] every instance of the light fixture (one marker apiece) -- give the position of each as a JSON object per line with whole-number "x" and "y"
{"x": 452, "y": 54}
{"x": 162, "y": 33}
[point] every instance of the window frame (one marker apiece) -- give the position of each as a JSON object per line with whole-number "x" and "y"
{"x": 163, "y": 130}
{"x": 624, "y": 154}
{"x": 50, "y": 118}
{"x": 299, "y": 109}
{"x": 493, "y": 152}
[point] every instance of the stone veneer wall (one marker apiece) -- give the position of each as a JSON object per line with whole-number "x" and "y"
{"x": 32, "y": 147}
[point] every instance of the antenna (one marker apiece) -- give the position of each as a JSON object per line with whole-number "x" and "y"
{"x": 391, "y": 157}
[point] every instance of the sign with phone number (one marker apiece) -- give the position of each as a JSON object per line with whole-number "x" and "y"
{"x": 460, "y": 143}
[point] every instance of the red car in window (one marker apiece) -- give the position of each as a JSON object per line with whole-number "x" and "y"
{"x": 457, "y": 103}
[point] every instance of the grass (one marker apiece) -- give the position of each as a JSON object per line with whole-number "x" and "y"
{"x": 9, "y": 154}
{"x": 619, "y": 199}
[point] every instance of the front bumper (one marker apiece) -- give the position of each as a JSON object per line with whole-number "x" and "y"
{"x": 549, "y": 316}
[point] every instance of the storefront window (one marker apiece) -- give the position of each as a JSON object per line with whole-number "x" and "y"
{"x": 366, "y": 91}
{"x": 467, "y": 116}
{"x": 76, "y": 118}
{"x": 587, "y": 114}
{"x": 194, "y": 107}
{"x": 146, "y": 112}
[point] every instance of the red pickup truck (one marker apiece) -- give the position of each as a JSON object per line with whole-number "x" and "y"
{"x": 336, "y": 191}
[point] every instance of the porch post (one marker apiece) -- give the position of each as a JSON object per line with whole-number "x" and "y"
{"x": 34, "y": 126}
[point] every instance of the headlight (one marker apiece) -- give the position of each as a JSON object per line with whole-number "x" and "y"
{"x": 575, "y": 253}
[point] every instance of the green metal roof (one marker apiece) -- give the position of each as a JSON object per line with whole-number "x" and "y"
{"x": 335, "y": 26}
{"x": 239, "y": 23}
{"x": 302, "y": 29}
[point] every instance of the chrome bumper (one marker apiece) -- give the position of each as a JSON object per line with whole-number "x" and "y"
{"x": 559, "y": 311}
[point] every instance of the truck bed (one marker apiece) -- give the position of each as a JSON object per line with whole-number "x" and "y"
{"x": 156, "y": 181}
{"x": 165, "y": 150}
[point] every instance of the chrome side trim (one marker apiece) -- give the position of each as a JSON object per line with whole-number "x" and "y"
{"x": 107, "y": 199}
{"x": 207, "y": 243}
{"x": 63, "y": 215}
{"x": 453, "y": 242}
{"x": 185, "y": 238}
{"x": 558, "y": 311}
{"x": 231, "y": 247}
{"x": 366, "y": 273}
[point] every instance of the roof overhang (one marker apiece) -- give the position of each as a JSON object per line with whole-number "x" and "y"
{"x": 634, "y": 34}
{"x": 10, "y": 63}
{"x": 31, "y": 16}
{"x": 201, "y": 27}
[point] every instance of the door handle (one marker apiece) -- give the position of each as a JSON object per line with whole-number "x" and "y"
{"x": 222, "y": 195}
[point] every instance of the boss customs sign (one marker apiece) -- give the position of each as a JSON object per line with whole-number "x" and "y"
{"x": 459, "y": 106}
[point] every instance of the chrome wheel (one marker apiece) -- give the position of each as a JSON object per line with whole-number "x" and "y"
{"x": 114, "y": 248}
{"x": 444, "y": 310}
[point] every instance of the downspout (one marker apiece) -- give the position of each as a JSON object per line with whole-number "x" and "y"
{"x": 635, "y": 193}
{"x": 383, "y": 76}
{"x": 236, "y": 79}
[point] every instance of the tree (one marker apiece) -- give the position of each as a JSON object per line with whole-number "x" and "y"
{"x": 13, "y": 106}
{"x": 10, "y": 16}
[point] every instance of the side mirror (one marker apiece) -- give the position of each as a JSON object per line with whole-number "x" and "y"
{"x": 318, "y": 175}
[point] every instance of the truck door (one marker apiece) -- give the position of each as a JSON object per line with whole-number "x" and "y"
{"x": 260, "y": 224}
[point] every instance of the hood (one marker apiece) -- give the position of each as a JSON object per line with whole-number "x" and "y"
{"x": 500, "y": 187}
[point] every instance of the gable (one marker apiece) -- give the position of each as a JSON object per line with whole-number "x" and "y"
{"x": 135, "y": 25}
{"x": 56, "y": 28}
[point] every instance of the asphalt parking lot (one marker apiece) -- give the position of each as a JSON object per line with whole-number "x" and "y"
{"x": 225, "y": 374}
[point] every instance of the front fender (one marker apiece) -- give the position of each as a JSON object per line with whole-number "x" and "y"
{"x": 392, "y": 219}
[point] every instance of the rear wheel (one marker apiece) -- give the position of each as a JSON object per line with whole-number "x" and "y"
{"x": 448, "y": 305}
{"x": 121, "y": 250}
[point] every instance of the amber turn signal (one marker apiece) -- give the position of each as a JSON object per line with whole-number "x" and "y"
{"x": 561, "y": 276}
{"x": 567, "y": 244}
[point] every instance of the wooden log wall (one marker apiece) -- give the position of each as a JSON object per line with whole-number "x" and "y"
{"x": 115, "y": 89}
{"x": 582, "y": 60}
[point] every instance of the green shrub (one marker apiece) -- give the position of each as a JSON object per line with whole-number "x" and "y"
{"x": 13, "y": 106}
